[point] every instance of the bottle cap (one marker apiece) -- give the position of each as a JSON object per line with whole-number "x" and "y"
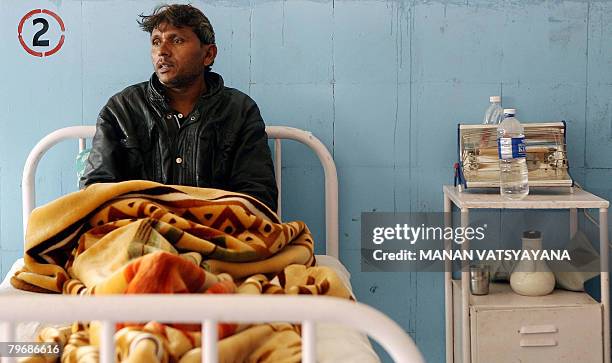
{"x": 495, "y": 99}
{"x": 532, "y": 234}
{"x": 510, "y": 111}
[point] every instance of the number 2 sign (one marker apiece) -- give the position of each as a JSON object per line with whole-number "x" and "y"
{"x": 35, "y": 37}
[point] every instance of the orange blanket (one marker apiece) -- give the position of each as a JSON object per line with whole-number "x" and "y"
{"x": 144, "y": 237}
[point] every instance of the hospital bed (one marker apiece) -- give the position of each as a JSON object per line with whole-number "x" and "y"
{"x": 332, "y": 329}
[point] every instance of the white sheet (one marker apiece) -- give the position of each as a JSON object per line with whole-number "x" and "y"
{"x": 335, "y": 343}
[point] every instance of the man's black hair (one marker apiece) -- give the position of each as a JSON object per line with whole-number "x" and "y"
{"x": 180, "y": 16}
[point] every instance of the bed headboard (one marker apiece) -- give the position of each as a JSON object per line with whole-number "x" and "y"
{"x": 277, "y": 133}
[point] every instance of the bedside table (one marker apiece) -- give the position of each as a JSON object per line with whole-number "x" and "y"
{"x": 506, "y": 327}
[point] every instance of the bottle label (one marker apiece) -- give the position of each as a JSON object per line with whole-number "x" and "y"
{"x": 511, "y": 147}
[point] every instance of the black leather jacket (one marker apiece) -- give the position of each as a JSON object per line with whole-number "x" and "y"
{"x": 221, "y": 144}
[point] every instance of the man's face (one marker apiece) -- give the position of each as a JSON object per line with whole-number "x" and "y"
{"x": 178, "y": 56}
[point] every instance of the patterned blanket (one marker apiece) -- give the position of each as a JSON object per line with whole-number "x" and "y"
{"x": 144, "y": 237}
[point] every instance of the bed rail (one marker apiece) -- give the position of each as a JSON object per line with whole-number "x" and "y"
{"x": 274, "y": 132}
{"x": 218, "y": 308}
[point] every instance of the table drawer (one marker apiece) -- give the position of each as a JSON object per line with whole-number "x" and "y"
{"x": 555, "y": 334}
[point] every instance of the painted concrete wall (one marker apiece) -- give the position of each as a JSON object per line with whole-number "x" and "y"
{"x": 382, "y": 83}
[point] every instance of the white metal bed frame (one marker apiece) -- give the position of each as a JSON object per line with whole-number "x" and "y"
{"x": 277, "y": 133}
{"x": 249, "y": 309}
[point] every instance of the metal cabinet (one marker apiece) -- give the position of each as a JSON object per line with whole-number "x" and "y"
{"x": 506, "y": 327}
{"x": 509, "y": 328}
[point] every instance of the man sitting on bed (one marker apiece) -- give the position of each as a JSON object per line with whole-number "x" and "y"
{"x": 183, "y": 126}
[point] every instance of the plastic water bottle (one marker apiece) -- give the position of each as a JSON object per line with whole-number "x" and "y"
{"x": 494, "y": 114}
{"x": 514, "y": 182}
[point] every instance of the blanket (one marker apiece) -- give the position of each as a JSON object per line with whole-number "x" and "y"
{"x": 143, "y": 237}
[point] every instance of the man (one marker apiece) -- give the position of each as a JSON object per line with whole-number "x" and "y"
{"x": 183, "y": 126}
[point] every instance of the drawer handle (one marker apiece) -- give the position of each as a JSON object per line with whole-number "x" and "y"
{"x": 538, "y": 342}
{"x": 538, "y": 329}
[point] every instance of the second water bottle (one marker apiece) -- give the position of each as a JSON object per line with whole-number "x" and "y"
{"x": 514, "y": 183}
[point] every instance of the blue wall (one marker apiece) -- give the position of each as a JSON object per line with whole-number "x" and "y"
{"x": 382, "y": 83}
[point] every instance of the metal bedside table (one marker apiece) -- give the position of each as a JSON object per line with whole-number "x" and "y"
{"x": 465, "y": 200}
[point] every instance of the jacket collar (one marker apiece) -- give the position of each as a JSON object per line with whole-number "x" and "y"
{"x": 156, "y": 91}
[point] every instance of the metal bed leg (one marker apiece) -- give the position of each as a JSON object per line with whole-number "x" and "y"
{"x": 82, "y": 144}
{"x": 8, "y": 332}
{"x": 309, "y": 353}
{"x": 8, "y": 335}
{"x": 277, "y": 172}
{"x": 209, "y": 342}
{"x": 107, "y": 342}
